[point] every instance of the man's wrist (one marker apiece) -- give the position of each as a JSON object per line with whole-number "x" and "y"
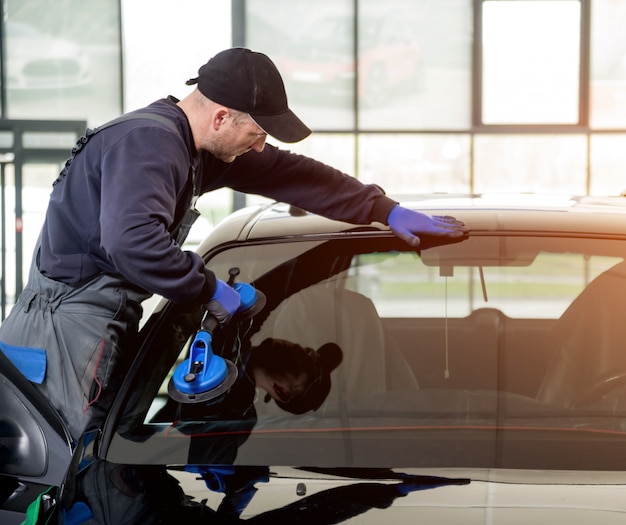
{"x": 382, "y": 206}
{"x": 209, "y": 287}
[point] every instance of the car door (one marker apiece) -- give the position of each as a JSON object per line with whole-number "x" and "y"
{"x": 35, "y": 447}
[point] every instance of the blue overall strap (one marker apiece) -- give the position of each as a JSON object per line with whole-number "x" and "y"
{"x": 31, "y": 362}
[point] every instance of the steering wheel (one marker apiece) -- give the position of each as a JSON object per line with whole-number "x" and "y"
{"x": 601, "y": 388}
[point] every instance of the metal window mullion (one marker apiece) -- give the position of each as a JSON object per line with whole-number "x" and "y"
{"x": 477, "y": 65}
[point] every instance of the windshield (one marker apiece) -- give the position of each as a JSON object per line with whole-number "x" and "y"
{"x": 501, "y": 351}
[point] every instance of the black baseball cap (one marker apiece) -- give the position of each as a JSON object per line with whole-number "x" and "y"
{"x": 323, "y": 361}
{"x": 248, "y": 81}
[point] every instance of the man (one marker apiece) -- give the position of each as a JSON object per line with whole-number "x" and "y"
{"x": 121, "y": 207}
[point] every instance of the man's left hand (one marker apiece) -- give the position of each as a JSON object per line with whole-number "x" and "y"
{"x": 408, "y": 225}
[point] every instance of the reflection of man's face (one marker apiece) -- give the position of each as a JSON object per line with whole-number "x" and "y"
{"x": 281, "y": 387}
{"x": 288, "y": 387}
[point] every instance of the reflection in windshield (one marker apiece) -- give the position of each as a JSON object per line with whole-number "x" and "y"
{"x": 110, "y": 494}
{"x": 295, "y": 377}
{"x": 449, "y": 359}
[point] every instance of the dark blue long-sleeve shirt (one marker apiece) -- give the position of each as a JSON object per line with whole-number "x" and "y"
{"x": 124, "y": 192}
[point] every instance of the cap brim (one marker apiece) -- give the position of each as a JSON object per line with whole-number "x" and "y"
{"x": 286, "y": 127}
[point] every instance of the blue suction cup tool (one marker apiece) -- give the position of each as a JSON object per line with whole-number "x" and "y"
{"x": 252, "y": 301}
{"x": 204, "y": 376}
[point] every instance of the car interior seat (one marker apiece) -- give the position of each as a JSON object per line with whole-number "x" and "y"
{"x": 321, "y": 314}
{"x": 588, "y": 342}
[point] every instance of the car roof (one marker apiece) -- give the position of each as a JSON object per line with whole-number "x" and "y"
{"x": 481, "y": 213}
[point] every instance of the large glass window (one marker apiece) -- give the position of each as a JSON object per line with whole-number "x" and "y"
{"x": 530, "y": 163}
{"x": 608, "y": 64}
{"x": 314, "y": 48}
{"x": 367, "y": 64}
{"x": 457, "y": 95}
{"x": 412, "y": 163}
{"x": 531, "y": 61}
{"x": 164, "y": 45}
{"x": 608, "y": 164}
{"x": 62, "y": 58}
{"x": 414, "y": 64}
{"x": 335, "y": 149}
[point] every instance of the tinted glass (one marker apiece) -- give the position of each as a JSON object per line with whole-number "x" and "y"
{"x": 462, "y": 355}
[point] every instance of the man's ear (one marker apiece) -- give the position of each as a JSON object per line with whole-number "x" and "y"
{"x": 219, "y": 117}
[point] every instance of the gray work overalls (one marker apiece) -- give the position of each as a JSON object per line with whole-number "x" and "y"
{"x": 86, "y": 331}
{"x": 82, "y": 328}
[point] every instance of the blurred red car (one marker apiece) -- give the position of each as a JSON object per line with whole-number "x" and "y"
{"x": 322, "y": 64}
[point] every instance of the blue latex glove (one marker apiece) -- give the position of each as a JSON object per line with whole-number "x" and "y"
{"x": 224, "y": 303}
{"x": 408, "y": 224}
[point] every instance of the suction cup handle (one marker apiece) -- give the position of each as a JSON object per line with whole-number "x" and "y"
{"x": 233, "y": 273}
{"x": 247, "y": 293}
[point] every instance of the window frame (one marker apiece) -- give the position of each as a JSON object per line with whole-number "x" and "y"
{"x": 476, "y": 127}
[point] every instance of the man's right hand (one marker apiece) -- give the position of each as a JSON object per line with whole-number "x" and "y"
{"x": 224, "y": 303}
